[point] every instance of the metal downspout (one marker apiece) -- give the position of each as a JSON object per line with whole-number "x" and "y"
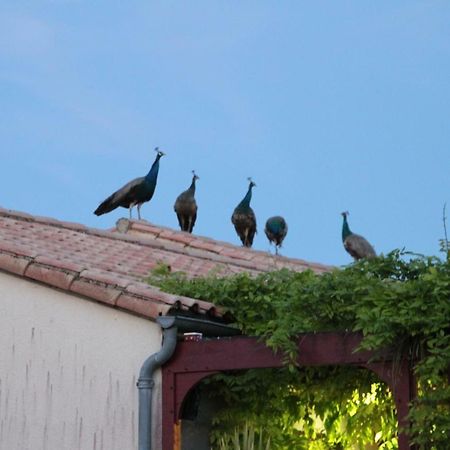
{"x": 145, "y": 382}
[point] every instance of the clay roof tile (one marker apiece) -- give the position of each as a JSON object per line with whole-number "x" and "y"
{"x": 110, "y": 266}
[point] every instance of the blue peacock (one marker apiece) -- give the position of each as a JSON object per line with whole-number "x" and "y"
{"x": 276, "y": 230}
{"x": 186, "y": 207}
{"x": 356, "y": 245}
{"x": 134, "y": 193}
{"x": 244, "y": 219}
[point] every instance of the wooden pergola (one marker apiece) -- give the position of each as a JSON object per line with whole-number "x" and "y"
{"x": 194, "y": 361}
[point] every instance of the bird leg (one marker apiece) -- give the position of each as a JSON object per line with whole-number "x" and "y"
{"x": 139, "y": 211}
{"x": 245, "y": 237}
{"x": 130, "y": 208}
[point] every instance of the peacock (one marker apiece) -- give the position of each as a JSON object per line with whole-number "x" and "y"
{"x": 186, "y": 207}
{"x": 134, "y": 193}
{"x": 356, "y": 245}
{"x": 276, "y": 230}
{"x": 244, "y": 219}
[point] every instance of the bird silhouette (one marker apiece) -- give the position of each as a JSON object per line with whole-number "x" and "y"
{"x": 186, "y": 207}
{"x": 276, "y": 230}
{"x": 244, "y": 219}
{"x": 134, "y": 193}
{"x": 356, "y": 245}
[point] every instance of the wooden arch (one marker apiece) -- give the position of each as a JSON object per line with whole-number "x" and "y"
{"x": 194, "y": 361}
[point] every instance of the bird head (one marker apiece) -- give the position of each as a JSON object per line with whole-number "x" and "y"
{"x": 345, "y": 214}
{"x": 195, "y": 176}
{"x": 159, "y": 152}
{"x": 252, "y": 183}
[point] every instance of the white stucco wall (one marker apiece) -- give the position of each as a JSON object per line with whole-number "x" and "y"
{"x": 68, "y": 370}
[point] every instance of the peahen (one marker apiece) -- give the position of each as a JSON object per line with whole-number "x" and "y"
{"x": 134, "y": 193}
{"x": 356, "y": 245}
{"x": 276, "y": 230}
{"x": 186, "y": 207}
{"x": 244, "y": 219}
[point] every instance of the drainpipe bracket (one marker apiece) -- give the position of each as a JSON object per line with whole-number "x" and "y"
{"x": 145, "y": 383}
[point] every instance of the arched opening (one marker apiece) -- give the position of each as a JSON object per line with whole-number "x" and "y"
{"x": 310, "y": 407}
{"x": 195, "y": 361}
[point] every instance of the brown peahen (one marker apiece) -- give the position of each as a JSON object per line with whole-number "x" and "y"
{"x": 186, "y": 207}
{"x": 358, "y": 246}
{"x": 244, "y": 219}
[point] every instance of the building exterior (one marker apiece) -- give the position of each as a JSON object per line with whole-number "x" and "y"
{"x": 77, "y": 321}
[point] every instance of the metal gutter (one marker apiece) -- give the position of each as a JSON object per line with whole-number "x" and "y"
{"x": 208, "y": 328}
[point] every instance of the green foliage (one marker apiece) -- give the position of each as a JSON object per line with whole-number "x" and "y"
{"x": 400, "y": 301}
{"x": 332, "y": 407}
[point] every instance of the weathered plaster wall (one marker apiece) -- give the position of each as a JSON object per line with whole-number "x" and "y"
{"x": 68, "y": 370}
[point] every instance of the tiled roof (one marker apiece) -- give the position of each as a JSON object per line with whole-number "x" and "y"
{"x": 111, "y": 266}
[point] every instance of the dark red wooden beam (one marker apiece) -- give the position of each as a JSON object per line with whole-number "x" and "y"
{"x": 194, "y": 361}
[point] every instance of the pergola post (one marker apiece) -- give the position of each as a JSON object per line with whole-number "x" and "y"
{"x": 402, "y": 383}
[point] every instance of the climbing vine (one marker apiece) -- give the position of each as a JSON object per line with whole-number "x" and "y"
{"x": 400, "y": 300}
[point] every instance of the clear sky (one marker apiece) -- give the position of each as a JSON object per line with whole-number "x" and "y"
{"x": 329, "y": 106}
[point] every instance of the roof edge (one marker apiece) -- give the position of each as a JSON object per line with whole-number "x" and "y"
{"x": 106, "y": 288}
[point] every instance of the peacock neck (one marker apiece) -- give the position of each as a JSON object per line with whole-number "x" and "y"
{"x": 192, "y": 186}
{"x": 153, "y": 172}
{"x": 345, "y": 229}
{"x": 245, "y": 203}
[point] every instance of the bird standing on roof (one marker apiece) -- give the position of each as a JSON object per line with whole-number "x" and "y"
{"x": 186, "y": 207}
{"x": 134, "y": 193}
{"x": 244, "y": 219}
{"x": 356, "y": 245}
{"x": 276, "y": 230}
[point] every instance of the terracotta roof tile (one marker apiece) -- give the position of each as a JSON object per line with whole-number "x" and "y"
{"x": 97, "y": 291}
{"x": 14, "y": 264}
{"x": 110, "y": 266}
{"x": 48, "y": 275}
{"x": 182, "y": 237}
{"x": 109, "y": 278}
{"x": 62, "y": 264}
{"x": 205, "y": 245}
{"x": 144, "y": 290}
{"x": 141, "y": 306}
{"x": 17, "y": 249}
{"x": 236, "y": 253}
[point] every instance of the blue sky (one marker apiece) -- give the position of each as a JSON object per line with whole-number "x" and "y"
{"x": 329, "y": 106}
